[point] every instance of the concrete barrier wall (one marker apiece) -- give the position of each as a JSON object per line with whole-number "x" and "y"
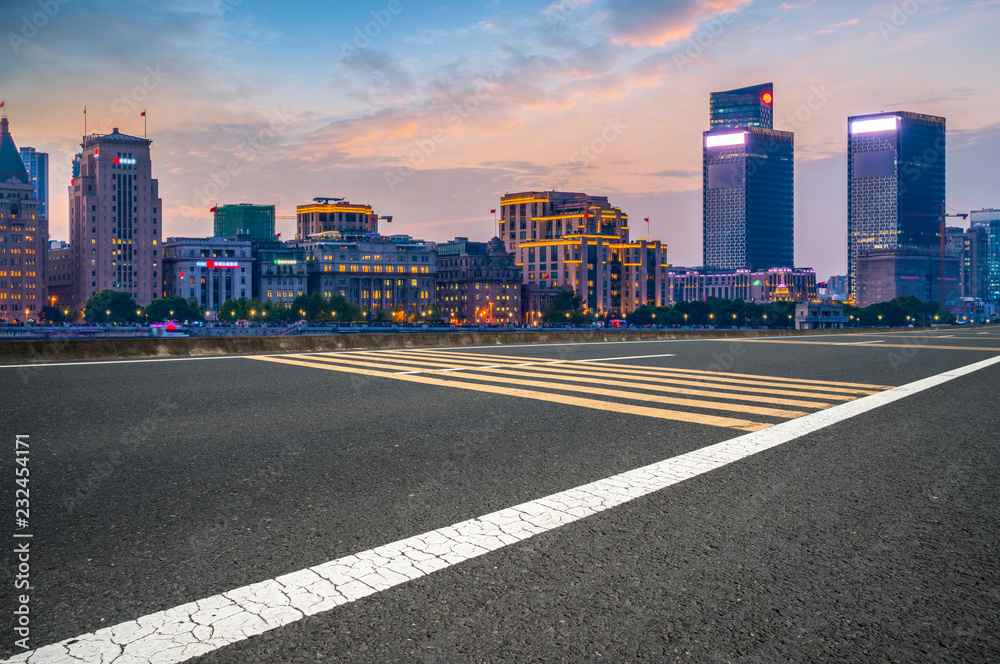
{"x": 96, "y": 350}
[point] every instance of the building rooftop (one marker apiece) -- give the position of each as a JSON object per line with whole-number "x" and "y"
{"x": 11, "y": 165}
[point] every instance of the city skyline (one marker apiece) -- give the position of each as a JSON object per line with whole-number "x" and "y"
{"x": 438, "y": 111}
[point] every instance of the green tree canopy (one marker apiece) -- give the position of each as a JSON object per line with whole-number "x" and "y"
{"x": 109, "y": 306}
{"x": 173, "y": 308}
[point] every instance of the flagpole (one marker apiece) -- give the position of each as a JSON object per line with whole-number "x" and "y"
{"x": 144, "y": 123}
{"x": 85, "y": 129}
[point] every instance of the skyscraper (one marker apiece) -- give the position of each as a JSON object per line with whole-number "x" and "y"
{"x": 895, "y": 181}
{"x": 116, "y": 219}
{"x": 748, "y": 183}
{"x": 744, "y": 107}
{"x": 37, "y": 165}
{"x": 987, "y": 223}
{"x": 24, "y": 238}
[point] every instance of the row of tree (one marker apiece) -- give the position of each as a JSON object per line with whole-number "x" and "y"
{"x": 108, "y": 306}
{"x": 567, "y": 307}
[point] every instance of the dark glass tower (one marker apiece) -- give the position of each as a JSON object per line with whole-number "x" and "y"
{"x": 745, "y": 107}
{"x": 749, "y": 180}
{"x": 895, "y": 184}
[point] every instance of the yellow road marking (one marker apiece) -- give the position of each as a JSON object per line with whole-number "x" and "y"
{"x": 577, "y": 375}
{"x": 660, "y": 413}
{"x": 808, "y": 381}
{"x": 662, "y": 388}
{"x": 694, "y": 403}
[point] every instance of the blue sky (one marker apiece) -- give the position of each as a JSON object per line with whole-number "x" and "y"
{"x": 442, "y": 108}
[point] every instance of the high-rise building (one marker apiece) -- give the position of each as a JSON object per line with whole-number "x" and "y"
{"x": 24, "y": 238}
{"x": 748, "y": 184}
{"x": 245, "y": 219}
{"x": 896, "y": 184}
{"x": 987, "y": 222}
{"x": 581, "y": 243}
{"x": 744, "y": 107}
{"x": 116, "y": 219}
{"x": 37, "y": 165}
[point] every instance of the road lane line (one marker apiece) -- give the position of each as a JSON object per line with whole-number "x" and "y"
{"x": 180, "y": 633}
{"x": 672, "y": 370}
{"x": 638, "y": 396}
{"x": 732, "y": 396}
{"x": 861, "y": 343}
{"x": 982, "y": 349}
{"x": 659, "y": 413}
{"x": 722, "y": 391}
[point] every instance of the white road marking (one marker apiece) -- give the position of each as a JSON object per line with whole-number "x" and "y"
{"x": 859, "y": 343}
{"x": 634, "y": 357}
{"x": 196, "y": 628}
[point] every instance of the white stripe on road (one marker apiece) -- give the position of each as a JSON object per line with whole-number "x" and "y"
{"x": 193, "y": 629}
{"x": 859, "y": 343}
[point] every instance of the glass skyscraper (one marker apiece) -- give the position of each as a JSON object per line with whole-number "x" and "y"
{"x": 744, "y": 107}
{"x": 896, "y": 184}
{"x": 37, "y": 165}
{"x": 988, "y": 222}
{"x": 748, "y": 183}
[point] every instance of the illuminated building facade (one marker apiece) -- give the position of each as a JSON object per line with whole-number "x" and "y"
{"x": 37, "y": 165}
{"x": 280, "y": 271}
{"x": 208, "y": 271}
{"x": 741, "y": 108}
{"x": 60, "y": 274}
{"x": 245, "y": 219}
{"x": 748, "y": 184}
{"x": 896, "y": 185}
{"x": 581, "y": 243}
{"x": 478, "y": 282}
{"x": 24, "y": 238}
{"x": 771, "y": 285}
{"x": 327, "y": 215}
{"x": 987, "y": 224}
{"x": 116, "y": 219}
{"x": 391, "y": 274}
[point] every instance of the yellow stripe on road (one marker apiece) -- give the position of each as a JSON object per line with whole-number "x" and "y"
{"x": 620, "y": 394}
{"x": 510, "y": 359}
{"x": 660, "y": 413}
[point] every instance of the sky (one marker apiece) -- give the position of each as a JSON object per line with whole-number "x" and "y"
{"x": 431, "y": 111}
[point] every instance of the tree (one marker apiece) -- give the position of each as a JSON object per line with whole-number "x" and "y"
{"x": 566, "y": 307}
{"x": 173, "y": 308}
{"x": 56, "y": 315}
{"x": 108, "y": 306}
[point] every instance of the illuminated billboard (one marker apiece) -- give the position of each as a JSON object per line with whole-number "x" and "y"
{"x": 889, "y": 123}
{"x": 724, "y": 140}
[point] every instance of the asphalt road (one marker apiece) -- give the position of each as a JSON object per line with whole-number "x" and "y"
{"x": 155, "y": 484}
